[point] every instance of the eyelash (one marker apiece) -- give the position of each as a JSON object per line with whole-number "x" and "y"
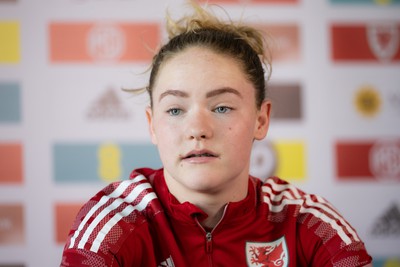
{"x": 219, "y": 110}
{"x": 226, "y": 109}
{"x": 171, "y": 110}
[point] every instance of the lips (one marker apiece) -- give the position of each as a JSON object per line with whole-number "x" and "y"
{"x": 200, "y": 154}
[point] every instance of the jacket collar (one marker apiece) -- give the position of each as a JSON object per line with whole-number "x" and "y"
{"x": 188, "y": 213}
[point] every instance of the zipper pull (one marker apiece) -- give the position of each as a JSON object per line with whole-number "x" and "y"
{"x": 209, "y": 242}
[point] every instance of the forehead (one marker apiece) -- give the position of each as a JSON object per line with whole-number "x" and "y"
{"x": 200, "y": 67}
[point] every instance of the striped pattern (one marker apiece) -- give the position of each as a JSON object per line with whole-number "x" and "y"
{"x": 100, "y": 213}
{"x": 279, "y": 195}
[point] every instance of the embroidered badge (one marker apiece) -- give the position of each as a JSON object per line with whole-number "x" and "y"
{"x": 270, "y": 254}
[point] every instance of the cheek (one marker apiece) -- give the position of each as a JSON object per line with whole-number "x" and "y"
{"x": 165, "y": 132}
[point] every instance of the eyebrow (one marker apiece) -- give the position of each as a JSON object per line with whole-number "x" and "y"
{"x": 213, "y": 93}
{"x": 173, "y": 93}
{"x": 223, "y": 90}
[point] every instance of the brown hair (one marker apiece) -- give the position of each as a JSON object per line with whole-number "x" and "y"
{"x": 243, "y": 43}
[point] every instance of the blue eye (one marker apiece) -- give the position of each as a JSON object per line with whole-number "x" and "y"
{"x": 174, "y": 111}
{"x": 222, "y": 109}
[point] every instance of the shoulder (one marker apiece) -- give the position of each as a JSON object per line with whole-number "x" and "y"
{"x": 113, "y": 214}
{"x": 282, "y": 196}
{"x": 321, "y": 229}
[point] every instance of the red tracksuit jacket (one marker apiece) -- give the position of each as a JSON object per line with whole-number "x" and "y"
{"x": 139, "y": 223}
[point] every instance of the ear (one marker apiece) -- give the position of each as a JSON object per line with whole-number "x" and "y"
{"x": 262, "y": 123}
{"x": 149, "y": 116}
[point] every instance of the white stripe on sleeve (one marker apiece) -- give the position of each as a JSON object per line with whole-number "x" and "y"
{"x": 117, "y": 217}
{"x": 116, "y": 193}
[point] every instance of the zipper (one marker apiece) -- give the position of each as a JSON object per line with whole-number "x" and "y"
{"x": 209, "y": 237}
{"x": 208, "y": 242}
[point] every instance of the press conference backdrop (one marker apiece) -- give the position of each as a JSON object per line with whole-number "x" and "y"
{"x": 67, "y": 129}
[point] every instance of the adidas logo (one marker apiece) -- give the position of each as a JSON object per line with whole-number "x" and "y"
{"x": 388, "y": 225}
{"x": 108, "y": 106}
{"x": 167, "y": 263}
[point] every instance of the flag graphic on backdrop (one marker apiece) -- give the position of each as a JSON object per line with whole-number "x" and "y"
{"x": 64, "y": 215}
{"x": 88, "y": 42}
{"x": 368, "y": 160}
{"x": 283, "y": 158}
{"x": 372, "y": 42}
{"x": 12, "y": 229}
{"x": 10, "y": 42}
{"x": 11, "y": 163}
{"x": 286, "y": 45}
{"x": 101, "y": 162}
{"x": 10, "y": 102}
{"x": 387, "y": 262}
{"x": 291, "y": 160}
{"x": 286, "y": 101}
{"x": 250, "y": 1}
{"x": 376, "y": 2}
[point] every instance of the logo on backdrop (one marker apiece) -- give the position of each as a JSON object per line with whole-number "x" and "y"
{"x": 383, "y": 39}
{"x": 368, "y": 101}
{"x": 385, "y": 160}
{"x": 267, "y": 254}
{"x": 388, "y": 224}
{"x": 109, "y": 160}
{"x": 108, "y": 107}
{"x": 379, "y": 160}
{"x": 106, "y": 42}
{"x": 263, "y": 160}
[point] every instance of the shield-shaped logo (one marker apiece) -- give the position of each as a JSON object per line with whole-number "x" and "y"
{"x": 269, "y": 254}
{"x": 383, "y": 39}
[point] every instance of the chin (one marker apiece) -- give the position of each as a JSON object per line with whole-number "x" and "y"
{"x": 199, "y": 183}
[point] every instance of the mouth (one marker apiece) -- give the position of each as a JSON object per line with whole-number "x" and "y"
{"x": 200, "y": 154}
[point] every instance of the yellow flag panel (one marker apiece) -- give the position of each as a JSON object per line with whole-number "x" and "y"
{"x": 9, "y": 42}
{"x": 291, "y": 162}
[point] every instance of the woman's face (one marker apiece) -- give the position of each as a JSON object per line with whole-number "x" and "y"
{"x": 204, "y": 120}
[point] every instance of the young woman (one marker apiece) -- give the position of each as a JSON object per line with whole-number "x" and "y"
{"x": 207, "y": 91}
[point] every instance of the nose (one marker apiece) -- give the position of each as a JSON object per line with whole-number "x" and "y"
{"x": 199, "y": 126}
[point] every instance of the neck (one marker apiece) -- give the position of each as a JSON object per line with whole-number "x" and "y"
{"x": 213, "y": 204}
{"x": 214, "y": 216}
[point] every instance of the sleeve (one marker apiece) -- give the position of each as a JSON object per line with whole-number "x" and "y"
{"x": 109, "y": 229}
{"x": 326, "y": 238}
{"x": 130, "y": 254}
{"x": 78, "y": 248}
